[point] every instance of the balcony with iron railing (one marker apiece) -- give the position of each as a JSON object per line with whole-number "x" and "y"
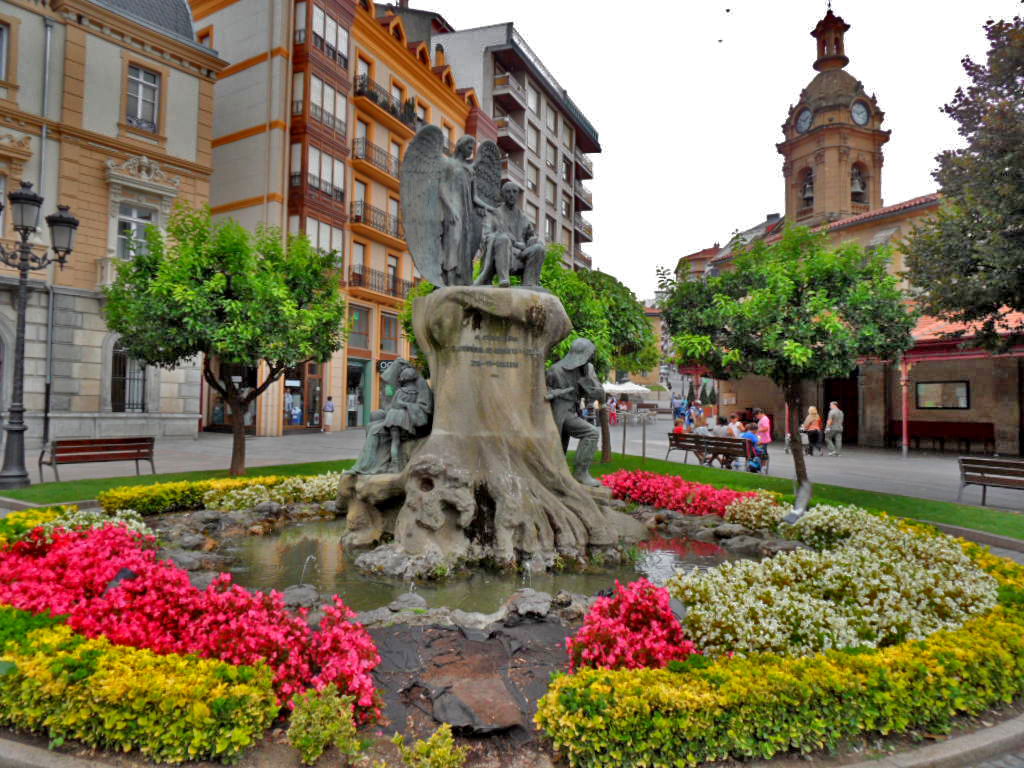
{"x": 583, "y": 227}
{"x": 584, "y": 166}
{"x": 511, "y": 135}
{"x": 581, "y": 259}
{"x": 584, "y": 198}
{"x": 509, "y": 93}
{"x": 360, "y": 276}
{"x": 375, "y": 161}
{"x": 380, "y": 221}
{"x": 398, "y": 115}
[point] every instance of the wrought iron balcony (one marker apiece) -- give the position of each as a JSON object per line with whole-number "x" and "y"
{"x": 509, "y": 93}
{"x": 379, "y": 95}
{"x": 583, "y": 227}
{"x": 379, "y": 282}
{"x": 584, "y": 166}
{"x": 376, "y": 218}
{"x": 376, "y": 156}
{"x": 583, "y": 195}
{"x": 511, "y": 136}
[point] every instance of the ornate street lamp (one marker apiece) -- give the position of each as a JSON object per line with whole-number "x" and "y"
{"x": 24, "y": 206}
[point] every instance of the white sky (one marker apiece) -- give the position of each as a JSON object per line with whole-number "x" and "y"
{"x": 688, "y": 100}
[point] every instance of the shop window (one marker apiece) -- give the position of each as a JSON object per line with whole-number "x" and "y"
{"x": 127, "y": 382}
{"x": 943, "y": 395}
{"x": 389, "y": 333}
{"x": 359, "y": 327}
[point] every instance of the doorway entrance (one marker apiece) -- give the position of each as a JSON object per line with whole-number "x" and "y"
{"x": 357, "y": 401}
{"x": 303, "y": 396}
{"x": 846, "y": 392}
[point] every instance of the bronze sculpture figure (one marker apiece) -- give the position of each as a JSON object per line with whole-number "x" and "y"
{"x": 510, "y": 244}
{"x": 568, "y": 380}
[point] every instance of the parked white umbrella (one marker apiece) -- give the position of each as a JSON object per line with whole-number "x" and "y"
{"x": 625, "y": 388}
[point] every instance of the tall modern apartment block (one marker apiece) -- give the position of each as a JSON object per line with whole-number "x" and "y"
{"x": 546, "y": 137}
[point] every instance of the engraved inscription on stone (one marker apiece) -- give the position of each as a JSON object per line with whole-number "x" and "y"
{"x": 495, "y": 346}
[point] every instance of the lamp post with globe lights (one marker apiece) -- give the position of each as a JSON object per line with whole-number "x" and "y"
{"x": 24, "y": 207}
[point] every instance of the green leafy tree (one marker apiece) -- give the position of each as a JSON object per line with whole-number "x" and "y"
{"x": 634, "y": 347}
{"x": 969, "y": 259}
{"x": 220, "y": 291}
{"x": 793, "y": 311}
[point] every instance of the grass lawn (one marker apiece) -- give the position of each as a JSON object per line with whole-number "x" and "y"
{"x": 80, "y": 490}
{"x": 979, "y": 518}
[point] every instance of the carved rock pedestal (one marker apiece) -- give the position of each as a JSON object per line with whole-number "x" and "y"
{"x": 490, "y": 481}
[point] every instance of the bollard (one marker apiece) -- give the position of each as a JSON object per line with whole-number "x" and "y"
{"x": 624, "y": 420}
{"x": 643, "y": 439}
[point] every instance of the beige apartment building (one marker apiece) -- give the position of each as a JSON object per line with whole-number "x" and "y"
{"x": 105, "y": 106}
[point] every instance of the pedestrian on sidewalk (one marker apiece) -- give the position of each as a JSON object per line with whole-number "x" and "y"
{"x": 834, "y": 429}
{"x": 812, "y": 428}
{"x": 764, "y": 431}
{"x": 328, "y": 421}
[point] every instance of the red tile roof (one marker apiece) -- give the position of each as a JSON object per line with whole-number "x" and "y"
{"x": 705, "y": 252}
{"x": 879, "y": 213}
{"x": 935, "y": 329}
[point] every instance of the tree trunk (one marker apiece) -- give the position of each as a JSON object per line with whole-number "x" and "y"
{"x": 491, "y": 480}
{"x": 237, "y": 436}
{"x": 606, "y": 435}
{"x": 801, "y": 485}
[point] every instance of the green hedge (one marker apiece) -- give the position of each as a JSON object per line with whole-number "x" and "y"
{"x": 179, "y": 496}
{"x": 762, "y": 705}
{"x": 171, "y": 708}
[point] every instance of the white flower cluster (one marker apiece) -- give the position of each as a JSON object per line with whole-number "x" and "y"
{"x": 85, "y": 519}
{"x": 756, "y": 512}
{"x": 871, "y": 584}
{"x": 293, "y": 490}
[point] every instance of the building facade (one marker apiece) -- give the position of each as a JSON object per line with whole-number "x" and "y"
{"x": 315, "y": 110}
{"x": 546, "y": 138}
{"x": 105, "y": 106}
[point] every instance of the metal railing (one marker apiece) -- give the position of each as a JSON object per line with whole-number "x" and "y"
{"x": 513, "y": 169}
{"x": 583, "y": 193}
{"x": 584, "y": 226}
{"x": 360, "y": 276}
{"x": 381, "y": 220}
{"x": 583, "y": 161}
{"x": 511, "y": 129}
{"x": 379, "y": 95}
{"x": 580, "y": 257}
{"x": 375, "y": 156}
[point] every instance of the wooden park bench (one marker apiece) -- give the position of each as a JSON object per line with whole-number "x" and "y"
{"x": 97, "y": 449}
{"x": 730, "y": 448}
{"x": 963, "y": 432}
{"x": 990, "y": 473}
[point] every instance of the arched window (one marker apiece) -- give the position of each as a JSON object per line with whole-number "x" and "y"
{"x": 858, "y": 184}
{"x": 127, "y": 382}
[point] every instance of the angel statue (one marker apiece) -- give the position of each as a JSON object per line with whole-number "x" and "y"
{"x": 444, "y": 200}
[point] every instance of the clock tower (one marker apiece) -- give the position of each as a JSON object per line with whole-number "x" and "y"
{"x": 833, "y": 138}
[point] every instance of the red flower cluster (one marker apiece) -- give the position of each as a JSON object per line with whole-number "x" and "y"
{"x": 156, "y": 607}
{"x": 672, "y": 492}
{"x": 634, "y": 629}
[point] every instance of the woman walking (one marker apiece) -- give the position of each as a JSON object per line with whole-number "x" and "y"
{"x": 812, "y": 428}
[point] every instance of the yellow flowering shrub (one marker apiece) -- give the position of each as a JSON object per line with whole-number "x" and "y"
{"x": 175, "y": 496}
{"x": 16, "y": 524}
{"x": 764, "y": 704}
{"x": 171, "y": 708}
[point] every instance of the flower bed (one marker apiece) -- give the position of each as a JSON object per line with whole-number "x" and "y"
{"x": 109, "y": 583}
{"x": 172, "y": 708}
{"x": 672, "y": 492}
{"x": 18, "y": 523}
{"x": 179, "y": 496}
{"x": 882, "y": 626}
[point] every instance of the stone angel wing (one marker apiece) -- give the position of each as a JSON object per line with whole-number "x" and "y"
{"x": 422, "y": 213}
{"x": 486, "y": 185}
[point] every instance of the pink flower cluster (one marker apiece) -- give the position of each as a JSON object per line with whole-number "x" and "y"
{"x": 671, "y": 492}
{"x": 156, "y": 607}
{"x": 634, "y": 629}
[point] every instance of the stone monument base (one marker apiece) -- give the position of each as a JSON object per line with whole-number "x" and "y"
{"x": 490, "y": 482}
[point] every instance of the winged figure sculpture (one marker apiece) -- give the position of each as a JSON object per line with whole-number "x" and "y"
{"x": 444, "y": 200}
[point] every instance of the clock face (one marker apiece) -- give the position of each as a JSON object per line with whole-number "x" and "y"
{"x": 803, "y": 121}
{"x": 860, "y": 113}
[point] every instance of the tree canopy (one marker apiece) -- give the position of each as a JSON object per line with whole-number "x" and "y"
{"x": 217, "y": 290}
{"x": 969, "y": 259}
{"x": 793, "y": 310}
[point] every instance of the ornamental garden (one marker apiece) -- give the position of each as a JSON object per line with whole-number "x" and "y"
{"x": 124, "y": 629}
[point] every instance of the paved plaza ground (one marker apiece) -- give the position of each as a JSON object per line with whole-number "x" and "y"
{"x": 924, "y": 474}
